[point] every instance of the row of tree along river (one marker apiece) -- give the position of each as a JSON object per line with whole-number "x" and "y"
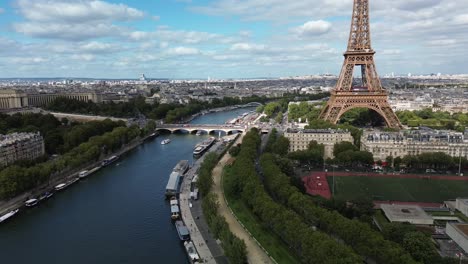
{"x": 116, "y": 215}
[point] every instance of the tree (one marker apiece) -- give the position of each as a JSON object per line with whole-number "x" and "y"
{"x": 420, "y": 246}
{"x": 281, "y": 146}
{"x": 342, "y": 147}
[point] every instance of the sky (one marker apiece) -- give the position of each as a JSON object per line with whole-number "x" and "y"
{"x": 224, "y": 38}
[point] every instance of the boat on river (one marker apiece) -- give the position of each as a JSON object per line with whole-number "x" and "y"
{"x": 31, "y": 202}
{"x": 8, "y": 215}
{"x": 172, "y": 187}
{"x": 204, "y": 146}
{"x": 60, "y": 186}
{"x": 182, "y": 230}
{"x": 175, "y": 212}
{"x": 45, "y": 196}
{"x": 109, "y": 161}
{"x": 83, "y": 174}
{"x": 166, "y": 141}
{"x": 181, "y": 167}
{"x": 191, "y": 251}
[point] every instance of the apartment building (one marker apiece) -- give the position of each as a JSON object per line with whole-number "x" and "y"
{"x": 20, "y": 146}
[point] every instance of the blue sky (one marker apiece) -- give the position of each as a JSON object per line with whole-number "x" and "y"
{"x": 223, "y": 38}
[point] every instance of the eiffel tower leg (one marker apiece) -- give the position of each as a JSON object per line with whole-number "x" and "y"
{"x": 331, "y": 112}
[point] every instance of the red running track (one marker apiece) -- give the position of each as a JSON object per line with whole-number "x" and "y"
{"x": 317, "y": 184}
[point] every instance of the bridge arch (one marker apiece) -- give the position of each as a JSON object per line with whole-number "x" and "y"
{"x": 164, "y": 130}
{"x": 253, "y": 104}
{"x": 375, "y": 108}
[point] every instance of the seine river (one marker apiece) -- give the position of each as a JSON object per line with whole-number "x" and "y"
{"x": 117, "y": 215}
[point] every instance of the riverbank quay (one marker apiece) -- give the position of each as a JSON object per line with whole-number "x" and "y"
{"x": 65, "y": 176}
{"x": 255, "y": 252}
{"x": 207, "y": 246}
{"x": 214, "y": 110}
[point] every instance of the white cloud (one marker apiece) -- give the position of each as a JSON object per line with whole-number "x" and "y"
{"x": 182, "y": 51}
{"x": 98, "y": 47}
{"x": 73, "y": 20}
{"x": 391, "y": 52}
{"x": 248, "y": 47}
{"x": 312, "y": 28}
{"x": 461, "y": 19}
{"x": 76, "y": 11}
{"x": 66, "y": 31}
{"x": 29, "y": 60}
{"x": 83, "y": 57}
{"x": 442, "y": 42}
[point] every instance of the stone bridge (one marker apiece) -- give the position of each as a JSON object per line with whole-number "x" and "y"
{"x": 194, "y": 128}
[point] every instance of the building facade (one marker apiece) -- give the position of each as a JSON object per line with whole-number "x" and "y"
{"x": 39, "y": 100}
{"x": 13, "y": 99}
{"x": 462, "y": 205}
{"x": 458, "y": 233}
{"x": 414, "y": 142}
{"x": 299, "y": 139}
{"x": 20, "y": 146}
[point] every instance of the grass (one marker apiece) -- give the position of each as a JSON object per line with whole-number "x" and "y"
{"x": 395, "y": 189}
{"x": 380, "y": 218}
{"x": 271, "y": 242}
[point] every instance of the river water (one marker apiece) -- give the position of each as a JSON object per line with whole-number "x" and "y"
{"x": 117, "y": 215}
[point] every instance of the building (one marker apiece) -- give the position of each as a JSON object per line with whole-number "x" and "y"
{"x": 42, "y": 99}
{"x": 13, "y": 99}
{"x": 20, "y": 146}
{"x": 458, "y": 233}
{"x": 414, "y": 142}
{"x": 299, "y": 139}
{"x": 462, "y": 205}
{"x": 412, "y": 214}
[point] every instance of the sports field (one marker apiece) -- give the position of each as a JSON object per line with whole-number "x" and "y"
{"x": 398, "y": 189}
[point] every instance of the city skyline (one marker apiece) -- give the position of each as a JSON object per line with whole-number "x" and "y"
{"x": 222, "y": 39}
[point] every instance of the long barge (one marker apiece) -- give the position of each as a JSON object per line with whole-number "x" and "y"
{"x": 204, "y": 146}
{"x": 172, "y": 187}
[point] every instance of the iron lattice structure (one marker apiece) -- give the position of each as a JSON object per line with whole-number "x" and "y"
{"x": 366, "y": 92}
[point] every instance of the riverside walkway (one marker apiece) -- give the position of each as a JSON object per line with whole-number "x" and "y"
{"x": 198, "y": 234}
{"x": 255, "y": 254}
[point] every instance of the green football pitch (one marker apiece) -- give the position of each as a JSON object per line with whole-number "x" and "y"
{"x": 396, "y": 189}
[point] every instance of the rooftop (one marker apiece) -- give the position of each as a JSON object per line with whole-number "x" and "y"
{"x": 317, "y": 131}
{"x": 406, "y": 213}
{"x": 463, "y": 228}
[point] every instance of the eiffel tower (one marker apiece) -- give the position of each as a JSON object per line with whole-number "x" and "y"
{"x": 367, "y": 92}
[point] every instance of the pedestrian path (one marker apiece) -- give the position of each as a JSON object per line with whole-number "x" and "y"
{"x": 184, "y": 201}
{"x": 255, "y": 254}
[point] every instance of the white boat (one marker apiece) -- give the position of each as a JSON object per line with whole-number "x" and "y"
{"x": 83, "y": 174}
{"x": 174, "y": 201}
{"x": 8, "y": 215}
{"x": 204, "y": 146}
{"x": 175, "y": 212}
{"x": 31, "y": 202}
{"x": 60, "y": 186}
{"x": 181, "y": 167}
{"x": 166, "y": 141}
{"x": 199, "y": 133}
{"x": 191, "y": 251}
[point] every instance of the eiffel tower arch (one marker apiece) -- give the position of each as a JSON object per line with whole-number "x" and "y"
{"x": 367, "y": 91}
